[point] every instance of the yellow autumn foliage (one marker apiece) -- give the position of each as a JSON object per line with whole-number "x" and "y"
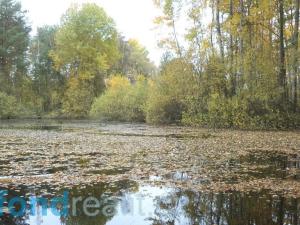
{"x": 122, "y": 101}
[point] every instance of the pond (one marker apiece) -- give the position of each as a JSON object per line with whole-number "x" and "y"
{"x": 88, "y": 172}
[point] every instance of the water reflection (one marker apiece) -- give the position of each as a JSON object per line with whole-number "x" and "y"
{"x": 225, "y": 208}
{"x": 266, "y": 165}
{"x": 129, "y": 203}
{"x": 46, "y": 125}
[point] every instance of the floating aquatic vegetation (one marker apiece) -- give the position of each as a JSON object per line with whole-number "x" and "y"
{"x": 83, "y": 153}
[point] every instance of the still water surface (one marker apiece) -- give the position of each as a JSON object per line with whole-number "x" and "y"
{"x": 128, "y": 202}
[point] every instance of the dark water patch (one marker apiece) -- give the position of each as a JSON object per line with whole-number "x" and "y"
{"x": 268, "y": 165}
{"x": 114, "y": 171}
{"x": 177, "y": 176}
{"x": 43, "y": 127}
{"x": 46, "y": 127}
{"x": 171, "y": 135}
{"x": 18, "y": 159}
{"x": 4, "y": 161}
{"x": 93, "y": 154}
{"x": 56, "y": 169}
{"x": 14, "y": 143}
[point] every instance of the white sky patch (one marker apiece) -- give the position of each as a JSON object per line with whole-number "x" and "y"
{"x": 134, "y": 18}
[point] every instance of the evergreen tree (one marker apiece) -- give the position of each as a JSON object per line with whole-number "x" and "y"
{"x": 48, "y": 84}
{"x": 14, "y": 41}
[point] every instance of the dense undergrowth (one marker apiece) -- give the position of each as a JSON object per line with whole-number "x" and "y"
{"x": 179, "y": 96}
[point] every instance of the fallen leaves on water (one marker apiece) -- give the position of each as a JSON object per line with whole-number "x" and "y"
{"x": 198, "y": 159}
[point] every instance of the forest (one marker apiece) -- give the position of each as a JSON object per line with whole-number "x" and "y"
{"x": 236, "y": 66}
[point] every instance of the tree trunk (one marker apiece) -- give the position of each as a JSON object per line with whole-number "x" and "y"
{"x": 179, "y": 51}
{"x": 219, "y": 32}
{"x": 212, "y": 27}
{"x": 250, "y": 46}
{"x": 232, "y": 73}
{"x": 241, "y": 44}
{"x": 296, "y": 60}
{"x": 282, "y": 67}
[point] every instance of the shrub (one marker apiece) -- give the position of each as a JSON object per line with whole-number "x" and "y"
{"x": 122, "y": 101}
{"x": 169, "y": 92}
{"x": 163, "y": 109}
{"x": 78, "y": 98}
{"x": 8, "y": 106}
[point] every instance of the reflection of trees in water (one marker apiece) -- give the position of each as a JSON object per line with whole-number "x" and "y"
{"x": 7, "y": 220}
{"x": 186, "y": 207}
{"x": 102, "y": 192}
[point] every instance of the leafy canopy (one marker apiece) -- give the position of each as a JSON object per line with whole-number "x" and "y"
{"x": 86, "y": 43}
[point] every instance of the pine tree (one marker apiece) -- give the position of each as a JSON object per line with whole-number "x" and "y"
{"x": 14, "y": 41}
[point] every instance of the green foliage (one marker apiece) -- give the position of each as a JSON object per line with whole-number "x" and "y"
{"x": 163, "y": 109}
{"x": 246, "y": 112}
{"x": 78, "y": 98}
{"x": 134, "y": 59}
{"x": 14, "y": 36}
{"x": 8, "y": 106}
{"x": 239, "y": 71}
{"x": 86, "y": 42}
{"x": 122, "y": 101}
{"x": 247, "y": 65}
{"x": 169, "y": 92}
{"x": 85, "y": 48}
{"x": 48, "y": 84}
{"x": 138, "y": 59}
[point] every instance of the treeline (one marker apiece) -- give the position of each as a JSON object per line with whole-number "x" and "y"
{"x": 236, "y": 66}
{"x": 61, "y": 69}
{"x": 244, "y": 56}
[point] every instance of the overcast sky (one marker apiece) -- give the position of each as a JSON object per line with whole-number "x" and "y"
{"x": 134, "y": 18}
